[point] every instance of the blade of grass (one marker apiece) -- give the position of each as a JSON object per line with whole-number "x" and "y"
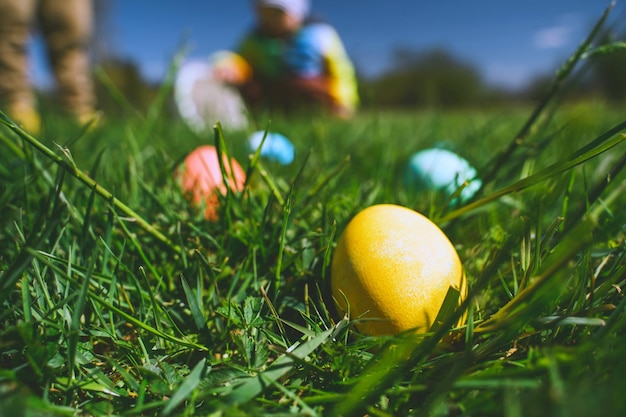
{"x": 283, "y": 364}
{"x": 190, "y": 383}
{"x": 75, "y": 324}
{"x": 308, "y": 411}
{"x": 276, "y": 316}
{"x": 88, "y": 181}
{"x": 115, "y": 92}
{"x": 254, "y": 159}
{"x": 195, "y": 305}
{"x": 555, "y": 321}
{"x": 329, "y": 250}
{"x": 269, "y": 181}
{"x": 158, "y": 104}
{"x": 561, "y": 75}
{"x": 604, "y": 49}
{"x": 43, "y": 229}
{"x": 281, "y": 245}
{"x": 603, "y": 143}
{"x": 47, "y": 176}
{"x": 86, "y": 222}
{"x": 228, "y": 175}
{"x": 325, "y": 180}
{"x": 42, "y": 257}
{"x": 575, "y": 240}
{"x": 595, "y": 193}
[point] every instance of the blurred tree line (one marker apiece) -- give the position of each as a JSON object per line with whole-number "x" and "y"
{"x": 436, "y": 78}
{"x": 432, "y": 78}
{"x": 417, "y": 79}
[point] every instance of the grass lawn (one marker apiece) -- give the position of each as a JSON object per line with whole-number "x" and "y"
{"x": 120, "y": 299}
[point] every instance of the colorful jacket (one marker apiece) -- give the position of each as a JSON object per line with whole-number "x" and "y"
{"x": 313, "y": 51}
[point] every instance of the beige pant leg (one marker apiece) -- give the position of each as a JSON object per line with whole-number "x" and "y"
{"x": 67, "y": 27}
{"x": 16, "y": 20}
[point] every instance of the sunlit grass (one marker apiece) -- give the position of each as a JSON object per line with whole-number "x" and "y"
{"x": 118, "y": 298}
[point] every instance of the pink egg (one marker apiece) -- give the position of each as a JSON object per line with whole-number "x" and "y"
{"x": 201, "y": 178}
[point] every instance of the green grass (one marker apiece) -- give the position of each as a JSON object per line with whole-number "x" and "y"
{"x": 117, "y": 298}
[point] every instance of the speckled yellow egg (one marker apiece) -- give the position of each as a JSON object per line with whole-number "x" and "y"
{"x": 393, "y": 268}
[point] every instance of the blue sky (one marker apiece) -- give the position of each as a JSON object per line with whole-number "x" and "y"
{"x": 510, "y": 42}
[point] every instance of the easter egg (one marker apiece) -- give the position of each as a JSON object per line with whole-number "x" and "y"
{"x": 201, "y": 178}
{"x": 393, "y": 268}
{"x": 276, "y": 146}
{"x": 202, "y": 99}
{"x": 443, "y": 171}
{"x": 234, "y": 63}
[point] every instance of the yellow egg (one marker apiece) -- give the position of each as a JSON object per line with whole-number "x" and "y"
{"x": 394, "y": 268}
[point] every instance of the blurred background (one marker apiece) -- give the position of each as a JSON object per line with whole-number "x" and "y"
{"x": 408, "y": 54}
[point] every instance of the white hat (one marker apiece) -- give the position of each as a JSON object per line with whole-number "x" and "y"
{"x": 295, "y": 8}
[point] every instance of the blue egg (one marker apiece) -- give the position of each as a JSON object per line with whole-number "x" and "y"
{"x": 276, "y": 146}
{"x": 443, "y": 171}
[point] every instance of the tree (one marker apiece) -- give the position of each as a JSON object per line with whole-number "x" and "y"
{"x": 433, "y": 78}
